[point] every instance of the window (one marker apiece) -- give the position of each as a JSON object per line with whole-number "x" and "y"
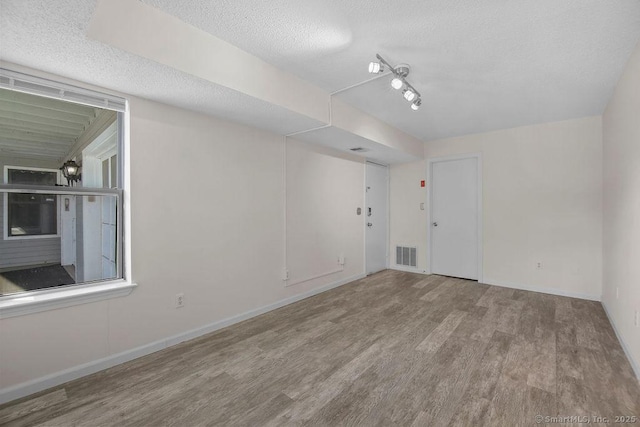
{"x": 57, "y": 235}
{"x": 31, "y": 214}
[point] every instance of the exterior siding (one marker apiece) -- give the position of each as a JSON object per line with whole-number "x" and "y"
{"x": 24, "y": 252}
{"x": 21, "y": 252}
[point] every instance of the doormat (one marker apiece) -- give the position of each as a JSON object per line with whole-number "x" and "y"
{"x": 35, "y": 278}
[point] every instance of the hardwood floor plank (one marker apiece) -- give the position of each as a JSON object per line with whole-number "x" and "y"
{"x": 36, "y": 404}
{"x": 394, "y": 348}
{"x": 439, "y": 335}
{"x": 568, "y": 361}
{"x": 539, "y": 403}
{"x": 543, "y": 364}
{"x": 319, "y": 396}
{"x": 439, "y": 290}
{"x": 495, "y": 294}
{"x": 445, "y": 402}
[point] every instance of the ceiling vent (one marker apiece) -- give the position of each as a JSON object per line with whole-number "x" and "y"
{"x": 359, "y": 149}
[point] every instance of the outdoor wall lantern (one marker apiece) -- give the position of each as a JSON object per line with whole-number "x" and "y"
{"x": 71, "y": 171}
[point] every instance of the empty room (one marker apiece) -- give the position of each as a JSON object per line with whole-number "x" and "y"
{"x": 319, "y": 212}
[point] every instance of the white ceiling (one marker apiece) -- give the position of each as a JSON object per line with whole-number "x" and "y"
{"x": 480, "y": 65}
{"x": 49, "y": 35}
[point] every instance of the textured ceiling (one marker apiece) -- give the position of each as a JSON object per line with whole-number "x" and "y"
{"x": 480, "y": 65}
{"x": 49, "y": 35}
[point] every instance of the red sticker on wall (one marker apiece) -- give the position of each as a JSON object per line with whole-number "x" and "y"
{"x": 422, "y": 183}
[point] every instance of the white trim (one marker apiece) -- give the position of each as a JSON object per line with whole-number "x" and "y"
{"x": 49, "y": 299}
{"x": 102, "y": 147}
{"x": 375, "y": 162}
{"x": 550, "y": 291}
{"x": 29, "y": 387}
{"x": 30, "y": 168}
{"x": 364, "y": 218}
{"x": 388, "y": 243}
{"x": 47, "y": 88}
{"x": 634, "y": 364}
{"x": 364, "y": 214}
{"x": 58, "y": 297}
{"x": 404, "y": 268}
{"x": 285, "y": 271}
{"x": 317, "y": 276}
{"x": 430, "y": 161}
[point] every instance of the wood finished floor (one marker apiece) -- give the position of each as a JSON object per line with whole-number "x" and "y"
{"x": 391, "y": 349}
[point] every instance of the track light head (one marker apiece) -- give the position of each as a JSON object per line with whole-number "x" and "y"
{"x": 409, "y": 94}
{"x": 397, "y": 83}
{"x": 375, "y": 67}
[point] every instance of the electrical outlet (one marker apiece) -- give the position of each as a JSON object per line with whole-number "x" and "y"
{"x": 179, "y": 300}
{"x": 285, "y": 275}
{"x": 539, "y": 265}
{"x": 637, "y": 318}
{"x": 341, "y": 260}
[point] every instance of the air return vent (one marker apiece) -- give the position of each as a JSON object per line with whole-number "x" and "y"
{"x": 406, "y": 256}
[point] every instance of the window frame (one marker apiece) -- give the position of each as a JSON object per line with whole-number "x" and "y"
{"x": 5, "y": 206}
{"x": 30, "y": 302}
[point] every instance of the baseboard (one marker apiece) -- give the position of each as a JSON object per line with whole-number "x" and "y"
{"x": 550, "y": 291}
{"x": 635, "y": 365}
{"x": 408, "y": 269}
{"x": 48, "y": 381}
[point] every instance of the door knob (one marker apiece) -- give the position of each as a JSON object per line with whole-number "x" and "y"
{"x": 369, "y": 224}
{"x": 435, "y": 224}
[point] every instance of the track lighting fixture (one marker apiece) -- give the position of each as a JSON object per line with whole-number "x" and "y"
{"x": 399, "y": 80}
{"x": 375, "y": 67}
{"x": 408, "y": 94}
{"x": 397, "y": 83}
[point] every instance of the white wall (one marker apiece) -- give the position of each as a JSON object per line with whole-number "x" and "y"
{"x": 323, "y": 194}
{"x": 542, "y": 202}
{"x": 408, "y": 223}
{"x": 621, "y": 226}
{"x": 208, "y": 220}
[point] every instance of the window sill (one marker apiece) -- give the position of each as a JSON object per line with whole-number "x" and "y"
{"x": 50, "y": 299}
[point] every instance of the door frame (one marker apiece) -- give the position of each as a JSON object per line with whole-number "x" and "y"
{"x": 68, "y": 234}
{"x": 430, "y": 162}
{"x": 364, "y": 214}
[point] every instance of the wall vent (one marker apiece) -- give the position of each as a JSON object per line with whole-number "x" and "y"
{"x": 406, "y": 256}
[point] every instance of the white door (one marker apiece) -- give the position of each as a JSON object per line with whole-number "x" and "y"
{"x": 99, "y": 214}
{"x": 454, "y": 217}
{"x": 376, "y": 217}
{"x": 68, "y": 229}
